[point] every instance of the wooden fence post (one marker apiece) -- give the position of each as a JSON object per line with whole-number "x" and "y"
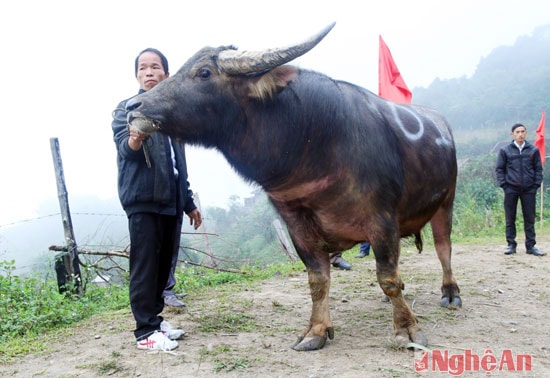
{"x": 67, "y": 264}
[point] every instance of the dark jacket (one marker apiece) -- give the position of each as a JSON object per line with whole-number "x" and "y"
{"x": 519, "y": 171}
{"x": 156, "y": 189}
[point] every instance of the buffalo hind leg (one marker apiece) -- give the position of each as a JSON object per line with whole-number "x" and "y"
{"x": 441, "y": 228}
{"x": 320, "y": 325}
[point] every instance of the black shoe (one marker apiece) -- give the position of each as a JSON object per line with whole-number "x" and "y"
{"x": 510, "y": 250}
{"x": 362, "y": 254}
{"x": 342, "y": 264}
{"x": 535, "y": 251}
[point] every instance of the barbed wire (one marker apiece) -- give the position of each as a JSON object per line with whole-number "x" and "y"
{"x": 72, "y": 213}
{"x": 29, "y": 220}
{"x": 56, "y": 214}
{"x": 189, "y": 246}
{"x": 102, "y": 214}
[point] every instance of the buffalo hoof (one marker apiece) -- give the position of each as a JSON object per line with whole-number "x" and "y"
{"x": 309, "y": 343}
{"x": 457, "y": 302}
{"x": 419, "y": 338}
{"x": 403, "y": 339}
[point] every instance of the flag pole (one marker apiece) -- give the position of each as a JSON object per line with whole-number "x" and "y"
{"x": 539, "y": 142}
{"x": 541, "y": 202}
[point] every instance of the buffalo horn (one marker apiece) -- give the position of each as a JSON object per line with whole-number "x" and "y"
{"x": 235, "y": 62}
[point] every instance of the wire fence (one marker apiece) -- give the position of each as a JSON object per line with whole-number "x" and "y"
{"x": 103, "y": 245}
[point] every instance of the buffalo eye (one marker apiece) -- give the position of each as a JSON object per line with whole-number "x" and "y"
{"x": 205, "y": 73}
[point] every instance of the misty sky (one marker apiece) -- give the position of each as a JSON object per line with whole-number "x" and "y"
{"x": 66, "y": 65}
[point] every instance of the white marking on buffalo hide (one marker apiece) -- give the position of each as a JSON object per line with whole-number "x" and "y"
{"x": 444, "y": 138}
{"x": 399, "y": 121}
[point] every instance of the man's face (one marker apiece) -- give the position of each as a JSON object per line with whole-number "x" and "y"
{"x": 150, "y": 70}
{"x": 519, "y": 134}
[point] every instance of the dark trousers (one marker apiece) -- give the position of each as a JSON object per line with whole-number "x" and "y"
{"x": 364, "y": 248}
{"x": 528, "y": 204}
{"x": 169, "y": 289}
{"x": 154, "y": 239}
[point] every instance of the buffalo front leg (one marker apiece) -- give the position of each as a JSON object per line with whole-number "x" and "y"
{"x": 320, "y": 325}
{"x": 404, "y": 322}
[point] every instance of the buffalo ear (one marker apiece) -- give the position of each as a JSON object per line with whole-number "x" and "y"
{"x": 266, "y": 86}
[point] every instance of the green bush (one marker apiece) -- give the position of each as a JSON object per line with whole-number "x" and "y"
{"x": 30, "y": 306}
{"x": 33, "y": 305}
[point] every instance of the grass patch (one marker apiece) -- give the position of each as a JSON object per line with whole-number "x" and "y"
{"x": 449, "y": 315}
{"x": 197, "y": 279}
{"x": 227, "y": 322}
{"x": 230, "y": 364}
{"x": 279, "y": 308}
{"x": 107, "y": 367}
{"x": 224, "y": 361}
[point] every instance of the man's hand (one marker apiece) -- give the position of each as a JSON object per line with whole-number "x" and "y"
{"x": 195, "y": 218}
{"x": 136, "y": 139}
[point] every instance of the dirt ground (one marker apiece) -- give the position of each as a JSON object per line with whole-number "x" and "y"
{"x": 505, "y": 309}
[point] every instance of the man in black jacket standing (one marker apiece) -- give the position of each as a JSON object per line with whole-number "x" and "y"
{"x": 154, "y": 192}
{"x": 519, "y": 173}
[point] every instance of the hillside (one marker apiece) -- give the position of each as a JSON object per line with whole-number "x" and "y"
{"x": 511, "y": 84}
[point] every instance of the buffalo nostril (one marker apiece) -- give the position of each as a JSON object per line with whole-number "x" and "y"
{"x": 132, "y": 105}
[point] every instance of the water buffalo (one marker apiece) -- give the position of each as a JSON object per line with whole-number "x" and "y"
{"x": 340, "y": 164}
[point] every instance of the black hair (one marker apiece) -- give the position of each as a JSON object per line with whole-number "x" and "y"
{"x": 518, "y": 125}
{"x": 163, "y": 59}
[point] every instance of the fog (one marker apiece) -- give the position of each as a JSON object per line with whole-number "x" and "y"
{"x": 67, "y": 64}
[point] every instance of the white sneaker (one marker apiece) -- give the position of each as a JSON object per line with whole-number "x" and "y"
{"x": 171, "y": 332}
{"x": 157, "y": 341}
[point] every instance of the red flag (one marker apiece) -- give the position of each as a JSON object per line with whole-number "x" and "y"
{"x": 391, "y": 85}
{"x": 539, "y": 139}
